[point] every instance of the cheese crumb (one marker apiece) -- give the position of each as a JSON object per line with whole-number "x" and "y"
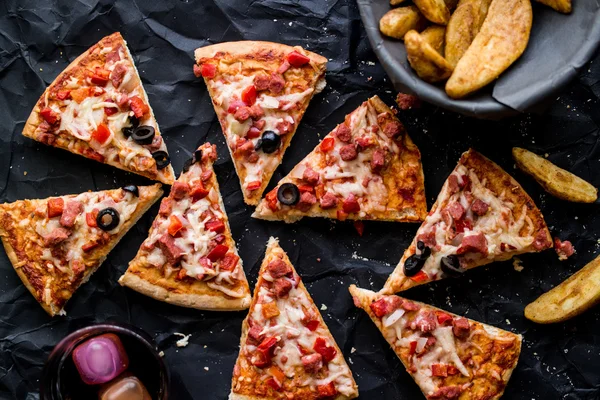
{"x": 206, "y": 368}
{"x": 352, "y": 350}
{"x": 518, "y": 264}
{"x": 184, "y": 341}
{"x": 161, "y": 354}
{"x": 323, "y": 307}
{"x": 507, "y": 321}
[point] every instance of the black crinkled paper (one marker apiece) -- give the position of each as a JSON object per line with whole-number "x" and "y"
{"x": 39, "y": 38}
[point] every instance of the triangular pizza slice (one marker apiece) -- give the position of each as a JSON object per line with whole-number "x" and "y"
{"x": 366, "y": 168}
{"x": 286, "y": 350}
{"x": 189, "y": 258}
{"x": 260, "y": 91}
{"x": 449, "y": 357}
{"x": 56, "y": 244}
{"x": 98, "y": 108}
{"x": 481, "y": 215}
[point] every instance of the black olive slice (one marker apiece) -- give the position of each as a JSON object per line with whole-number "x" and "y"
{"x": 269, "y": 142}
{"x": 127, "y": 131}
{"x": 143, "y": 134}
{"x": 132, "y": 189}
{"x": 420, "y": 245}
{"x": 108, "y": 219}
{"x": 162, "y": 159}
{"x": 258, "y": 145}
{"x": 197, "y": 156}
{"x": 288, "y": 194}
{"x": 451, "y": 266}
{"x": 413, "y": 265}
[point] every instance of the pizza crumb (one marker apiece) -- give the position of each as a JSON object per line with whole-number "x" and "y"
{"x": 352, "y": 350}
{"x": 350, "y": 360}
{"x": 518, "y": 264}
{"x": 184, "y": 341}
{"x": 507, "y": 321}
{"x": 323, "y": 307}
{"x": 206, "y": 368}
{"x": 318, "y": 259}
{"x": 161, "y": 354}
{"x": 25, "y": 173}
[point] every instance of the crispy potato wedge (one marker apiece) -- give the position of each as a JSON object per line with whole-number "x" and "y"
{"x": 435, "y": 36}
{"x": 556, "y": 181}
{"x": 395, "y": 23}
{"x": 500, "y": 41}
{"x": 428, "y": 63}
{"x": 578, "y": 293}
{"x": 563, "y": 6}
{"x": 394, "y": 3}
{"x": 464, "y": 25}
{"x": 434, "y": 10}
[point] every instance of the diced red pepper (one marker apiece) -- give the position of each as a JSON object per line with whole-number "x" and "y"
{"x": 379, "y": 307}
{"x": 215, "y": 225}
{"x": 268, "y": 343}
{"x": 229, "y": 262}
{"x": 218, "y": 252}
{"x": 253, "y": 133}
{"x": 439, "y": 370}
{"x": 89, "y": 246}
{"x": 63, "y": 94}
{"x": 100, "y": 76}
{"x": 421, "y": 276}
{"x": 273, "y": 383}
{"x": 175, "y": 225}
{"x": 360, "y": 227}
{"x": 443, "y": 317}
{"x": 350, "y": 204}
{"x": 327, "y": 144}
{"x": 198, "y": 191}
{"x": 326, "y": 391}
{"x": 312, "y": 325}
{"x": 208, "y": 70}
{"x": 260, "y": 359}
{"x": 49, "y": 115}
{"x": 101, "y": 134}
{"x": 463, "y": 224}
{"x": 110, "y": 110}
{"x": 413, "y": 348}
{"x": 272, "y": 200}
{"x": 249, "y": 95}
{"x": 55, "y": 207}
{"x": 90, "y": 218}
{"x": 306, "y": 188}
{"x": 321, "y": 347}
{"x": 138, "y": 106}
{"x": 254, "y": 185}
{"x": 296, "y": 59}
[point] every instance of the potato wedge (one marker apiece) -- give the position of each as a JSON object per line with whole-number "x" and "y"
{"x": 428, "y": 63}
{"x": 464, "y": 25}
{"x": 394, "y": 3}
{"x": 501, "y": 40}
{"x": 578, "y": 293}
{"x": 395, "y": 23}
{"x": 563, "y": 6}
{"x": 435, "y": 36}
{"x": 556, "y": 181}
{"x": 434, "y": 10}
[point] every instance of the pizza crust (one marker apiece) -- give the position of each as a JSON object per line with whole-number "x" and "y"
{"x": 34, "y": 118}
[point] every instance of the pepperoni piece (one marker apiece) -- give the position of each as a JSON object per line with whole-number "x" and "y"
{"x": 70, "y": 213}
{"x": 393, "y": 129}
{"x": 49, "y": 116}
{"x": 197, "y": 71}
{"x": 328, "y": 200}
{"x": 138, "y": 106}
{"x": 563, "y": 249}
{"x": 282, "y": 287}
{"x": 473, "y": 244}
{"x": 312, "y": 363}
{"x": 425, "y": 321}
{"x": 179, "y": 190}
{"x": 348, "y": 152}
{"x": 57, "y": 236}
{"x": 310, "y": 176}
{"x": 350, "y": 204}
{"x": 407, "y": 101}
{"x": 117, "y": 75}
{"x": 480, "y": 207}
{"x": 385, "y": 305}
{"x": 208, "y": 70}
{"x": 455, "y": 210}
{"x": 167, "y": 244}
{"x": 276, "y": 83}
{"x": 166, "y": 206}
{"x": 306, "y": 201}
{"x": 198, "y": 192}
{"x": 100, "y": 76}
{"x": 343, "y": 133}
{"x": 378, "y": 160}
{"x": 461, "y": 327}
{"x": 242, "y": 113}
{"x": 261, "y": 82}
{"x": 278, "y": 268}
{"x": 453, "y": 184}
{"x": 541, "y": 241}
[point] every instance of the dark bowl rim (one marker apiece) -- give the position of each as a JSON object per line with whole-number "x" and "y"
{"x": 483, "y": 105}
{"x": 65, "y": 347}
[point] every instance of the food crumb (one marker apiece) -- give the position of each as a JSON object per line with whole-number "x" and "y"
{"x": 518, "y": 264}
{"x": 352, "y": 350}
{"x": 318, "y": 259}
{"x": 184, "y": 341}
{"x": 161, "y": 354}
{"x": 323, "y": 307}
{"x": 507, "y": 321}
{"x": 206, "y": 368}
{"x": 25, "y": 173}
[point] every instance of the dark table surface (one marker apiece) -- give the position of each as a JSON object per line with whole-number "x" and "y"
{"x": 38, "y": 39}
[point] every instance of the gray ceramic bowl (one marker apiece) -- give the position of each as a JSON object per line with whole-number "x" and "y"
{"x": 559, "y": 46}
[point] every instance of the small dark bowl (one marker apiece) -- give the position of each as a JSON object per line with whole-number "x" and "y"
{"x": 559, "y": 46}
{"x": 60, "y": 379}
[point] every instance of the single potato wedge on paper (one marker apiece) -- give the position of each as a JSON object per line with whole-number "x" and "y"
{"x": 578, "y": 293}
{"x": 434, "y": 10}
{"x": 435, "y": 36}
{"x": 563, "y": 6}
{"x": 500, "y": 41}
{"x": 464, "y": 25}
{"x": 395, "y": 23}
{"x": 555, "y": 180}
{"x": 427, "y": 63}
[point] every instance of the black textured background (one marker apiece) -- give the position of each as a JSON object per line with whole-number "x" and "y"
{"x": 39, "y": 38}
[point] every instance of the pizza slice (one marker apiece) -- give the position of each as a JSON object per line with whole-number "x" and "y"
{"x": 189, "y": 258}
{"x": 286, "y": 350}
{"x": 56, "y": 244}
{"x": 98, "y": 108}
{"x": 260, "y": 91}
{"x": 449, "y": 357}
{"x": 481, "y": 215}
{"x": 366, "y": 168}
